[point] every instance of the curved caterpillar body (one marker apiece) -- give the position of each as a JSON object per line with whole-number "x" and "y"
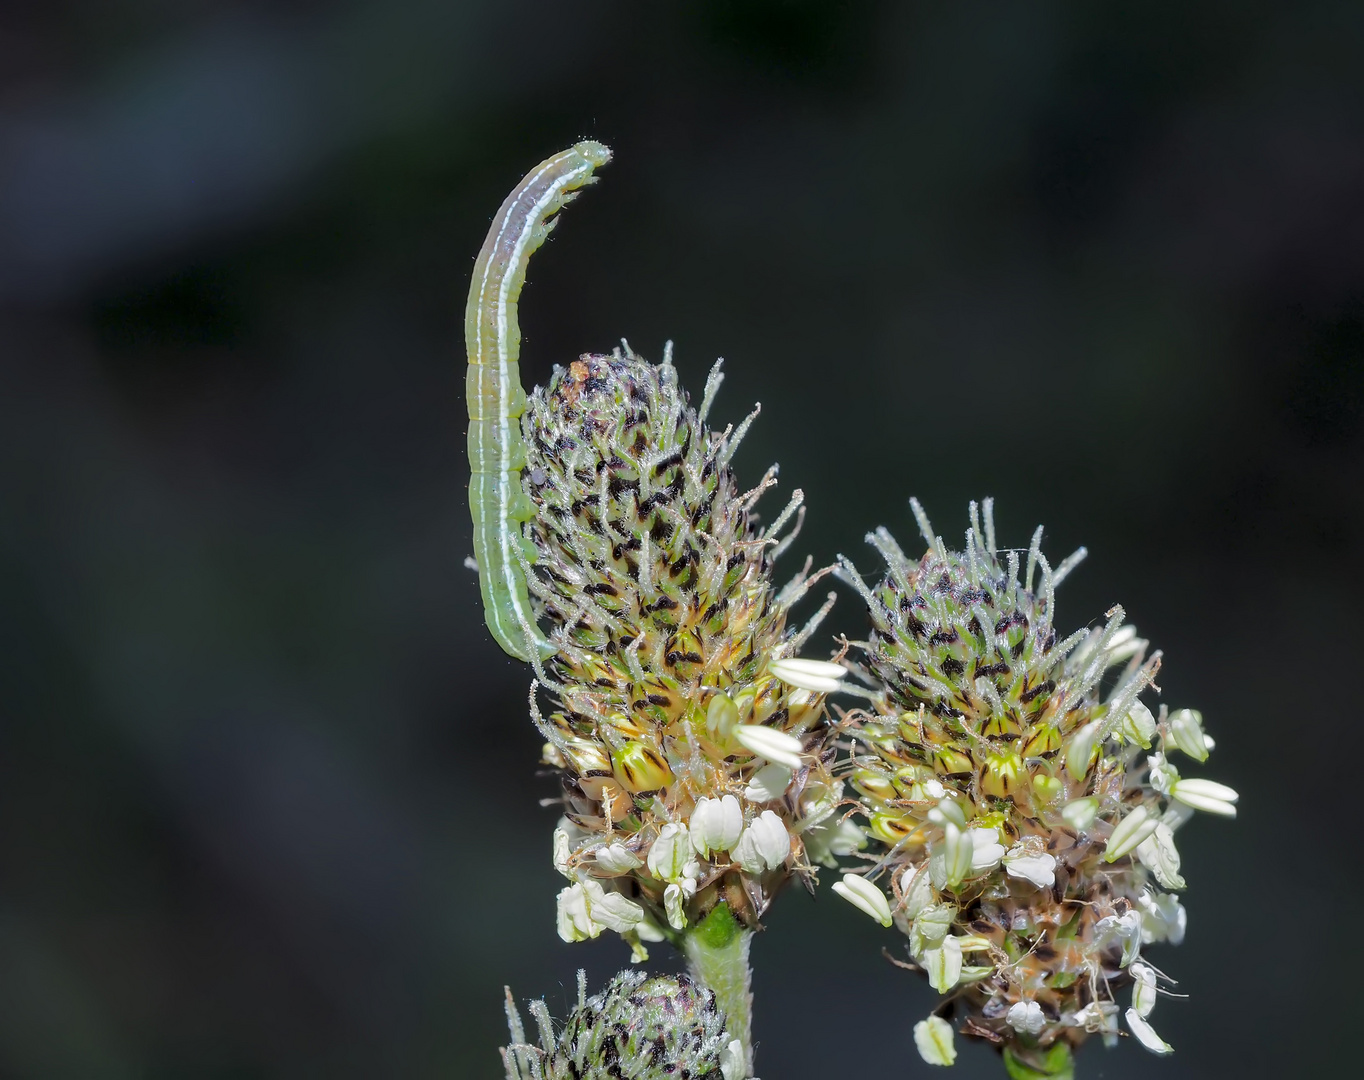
{"x": 496, "y": 398}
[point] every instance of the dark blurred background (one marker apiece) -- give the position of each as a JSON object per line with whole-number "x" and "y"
{"x": 268, "y": 804}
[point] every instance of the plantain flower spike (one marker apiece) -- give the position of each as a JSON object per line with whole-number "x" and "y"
{"x": 1023, "y": 797}
{"x": 638, "y": 1028}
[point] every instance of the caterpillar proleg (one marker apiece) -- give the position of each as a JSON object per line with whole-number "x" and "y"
{"x": 496, "y": 398}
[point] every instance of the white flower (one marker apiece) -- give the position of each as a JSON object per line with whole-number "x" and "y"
{"x": 732, "y": 1064}
{"x": 950, "y": 860}
{"x": 826, "y": 841}
{"x": 674, "y": 897}
{"x": 1163, "y": 774}
{"x": 1186, "y": 732}
{"x": 770, "y": 743}
{"x": 670, "y": 854}
{"x": 768, "y": 783}
{"x": 1159, "y": 854}
{"x": 929, "y": 928}
{"x": 716, "y": 824}
{"x": 817, "y": 675}
{"x": 616, "y": 858}
{"x": 1079, "y": 814}
{"x": 1125, "y": 928}
{"x": 943, "y": 964}
{"x": 1130, "y": 832}
{"x": 1206, "y": 795}
{"x": 1095, "y": 1017}
{"x": 1143, "y": 989}
{"x": 561, "y": 853}
{"x": 1163, "y": 918}
{"x": 1025, "y": 1017}
{"x": 933, "y": 1037}
{"x": 1146, "y": 1034}
{"x": 917, "y": 890}
{"x": 864, "y": 896}
{"x": 586, "y": 909}
{"x": 986, "y": 850}
{"x": 764, "y": 845}
{"x": 1040, "y": 869}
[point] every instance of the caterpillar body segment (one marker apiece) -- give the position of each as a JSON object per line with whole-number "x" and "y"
{"x": 496, "y": 398}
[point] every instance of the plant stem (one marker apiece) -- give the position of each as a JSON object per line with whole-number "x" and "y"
{"x": 717, "y": 954}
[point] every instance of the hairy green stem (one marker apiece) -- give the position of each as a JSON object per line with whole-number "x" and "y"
{"x": 717, "y": 954}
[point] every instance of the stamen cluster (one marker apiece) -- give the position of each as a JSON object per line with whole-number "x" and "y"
{"x": 691, "y": 747}
{"x": 1023, "y": 798}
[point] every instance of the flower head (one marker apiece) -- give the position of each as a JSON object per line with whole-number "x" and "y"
{"x": 690, "y": 739}
{"x": 1022, "y": 793}
{"x": 638, "y": 1028}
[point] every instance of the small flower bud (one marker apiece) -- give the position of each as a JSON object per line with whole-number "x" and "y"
{"x": 641, "y": 768}
{"x": 892, "y": 828}
{"x": 1003, "y": 775}
{"x": 934, "y": 1039}
{"x": 817, "y": 675}
{"x": 1025, "y": 1017}
{"x": 722, "y": 717}
{"x": 1186, "y": 732}
{"x": 948, "y": 810}
{"x": 1079, "y": 814}
{"x": 765, "y": 844}
{"x": 1048, "y": 789}
{"x": 874, "y": 785}
{"x": 716, "y": 824}
{"x": 864, "y": 896}
{"x": 948, "y": 762}
{"x": 1130, "y": 832}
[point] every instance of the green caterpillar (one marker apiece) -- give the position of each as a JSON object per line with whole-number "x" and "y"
{"x": 496, "y": 399}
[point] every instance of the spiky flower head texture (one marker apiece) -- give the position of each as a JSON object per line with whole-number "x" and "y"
{"x": 640, "y": 1027}
{"x": 1023, "y": 795}
{"x": 693, "y": 772}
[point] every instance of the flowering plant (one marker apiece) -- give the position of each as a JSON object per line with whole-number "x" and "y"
{"x": 1011, "y": 798}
